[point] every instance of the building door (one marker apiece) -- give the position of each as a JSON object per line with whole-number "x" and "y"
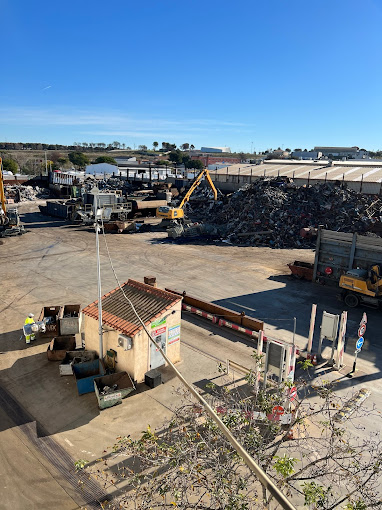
{"x": 156, "y": 358}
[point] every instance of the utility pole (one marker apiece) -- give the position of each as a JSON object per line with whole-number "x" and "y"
{"x": 46, "y": 165}
{"x": 95, "y": 192}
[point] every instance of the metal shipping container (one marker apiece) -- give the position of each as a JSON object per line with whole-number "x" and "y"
{"x": 103, "y": 199}
{"x": 59, "y": 346}
{"x": 85, "y": 373}
{"x": 73, "y": 357}
{"x": 70, "y": 319}
{"x": 51, "y": 314}
{"x": 339, "y": 252}
{"x": 124, "y": 386}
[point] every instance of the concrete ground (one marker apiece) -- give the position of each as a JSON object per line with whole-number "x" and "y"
{"x": 42, "y": 417}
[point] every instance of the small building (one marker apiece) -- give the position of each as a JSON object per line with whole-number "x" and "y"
{"x": 215, "y": 149}
{"x": 341, "y": 152}
{"x": 136, "y": 354}
{"x": 102, "y": 168}
{"x": 306, "y": 154}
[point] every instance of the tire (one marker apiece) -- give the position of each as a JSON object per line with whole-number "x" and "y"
{"x": 351, "y": 300}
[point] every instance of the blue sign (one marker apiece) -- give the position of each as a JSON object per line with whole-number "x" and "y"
{"x": 359, "y": 343}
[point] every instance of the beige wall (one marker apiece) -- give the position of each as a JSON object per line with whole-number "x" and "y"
{"x": 136, "y": 361}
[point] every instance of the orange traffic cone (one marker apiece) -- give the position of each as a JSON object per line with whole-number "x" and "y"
{"x": 314, "y": 360}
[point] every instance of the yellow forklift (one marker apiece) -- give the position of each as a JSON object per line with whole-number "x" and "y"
{"x": 177, "y": 213}
{"x": 362, "y": 286}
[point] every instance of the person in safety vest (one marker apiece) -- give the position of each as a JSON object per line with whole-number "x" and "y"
{"x": 29, "y": 320}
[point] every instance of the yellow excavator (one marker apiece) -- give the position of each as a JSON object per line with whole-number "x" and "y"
{"x": 177, "y": 213}
{"x": 9, "y": 218}
{"x": 362, "y": 286}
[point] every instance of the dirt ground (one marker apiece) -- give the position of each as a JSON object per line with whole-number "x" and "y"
{"x": 43, "y": 418}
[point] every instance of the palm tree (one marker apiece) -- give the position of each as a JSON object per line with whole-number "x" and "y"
{"x": 155, "y": 145}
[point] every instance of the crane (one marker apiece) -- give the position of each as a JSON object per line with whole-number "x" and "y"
{"x": 176, "y": 213}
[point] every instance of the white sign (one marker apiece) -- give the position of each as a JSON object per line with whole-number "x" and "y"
{"x": 174, "y": 334}
{"x": 114, "y": 396}
{"x": 329, "y": 326}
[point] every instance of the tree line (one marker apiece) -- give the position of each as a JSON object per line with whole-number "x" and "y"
{"x": 166, "y": 146}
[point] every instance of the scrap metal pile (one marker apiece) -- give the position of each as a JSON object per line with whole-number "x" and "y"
{"x": 273, "y": 213}
{"x": 109, "y": 389}
{"x": 21, "y": 193}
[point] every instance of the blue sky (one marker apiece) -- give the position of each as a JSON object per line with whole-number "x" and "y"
{"x": 243, "y": 74}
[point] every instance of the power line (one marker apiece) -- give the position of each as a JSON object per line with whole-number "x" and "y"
{"x": 251, "y": 464}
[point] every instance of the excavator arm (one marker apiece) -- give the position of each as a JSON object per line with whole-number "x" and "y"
{"x": 196, "y": 183}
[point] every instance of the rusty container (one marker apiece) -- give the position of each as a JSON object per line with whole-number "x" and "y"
{"x": 59, "y": 346}
{"x": 52, "y": 326}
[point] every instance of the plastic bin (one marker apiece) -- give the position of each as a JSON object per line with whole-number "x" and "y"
{"x": 125, "y": 386}
{"x": 59, "y": 346}
{"x": 51, "y": 313}
{"x": 73, "y": 357}
{"x": 70, "y": 325}
{"x": 85, "y": 373}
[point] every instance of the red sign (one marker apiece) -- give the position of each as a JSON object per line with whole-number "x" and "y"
{"x": 292, "y": 393}
{"x": 278, "y": 410}
{"x": 361, "y": 330}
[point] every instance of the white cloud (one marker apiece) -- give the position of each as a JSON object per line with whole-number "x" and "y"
{"x": 114, "y": 123}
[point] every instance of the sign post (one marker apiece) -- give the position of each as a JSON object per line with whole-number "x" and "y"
{"x": 311, "y": 328}
{"x": 359, "y": 344}
{"x": 341, "y": 341}
{"x": 358, "y": 347}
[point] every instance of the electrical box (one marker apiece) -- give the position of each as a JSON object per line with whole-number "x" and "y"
{"x": 125, "y": 342}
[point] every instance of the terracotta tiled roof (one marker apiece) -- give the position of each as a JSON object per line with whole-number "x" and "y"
{"x": 149, "y": 302}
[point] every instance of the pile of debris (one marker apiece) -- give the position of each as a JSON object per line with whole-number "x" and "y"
{"x": 108, "y": 389}
{"x": 280, "y": 214}
{"x": 21, "y": 193}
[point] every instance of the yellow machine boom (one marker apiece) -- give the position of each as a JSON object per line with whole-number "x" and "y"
{"x": 173, "y": 213}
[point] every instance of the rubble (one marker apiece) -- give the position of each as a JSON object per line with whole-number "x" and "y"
{"x": 21, "y": 193}
{"x": 107, "y": 389}
{"x": 280, "y": 214}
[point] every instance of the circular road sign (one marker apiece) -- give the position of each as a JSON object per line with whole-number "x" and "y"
{"x": 278, "y": 410}
{"x": 361, "y": 330}
{"x": 359, "y": 343}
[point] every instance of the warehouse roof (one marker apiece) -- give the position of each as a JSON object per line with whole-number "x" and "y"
{"x": 337, "y": 149}
{"x": 321, "y": 170}
{"x": 149, "y": 302}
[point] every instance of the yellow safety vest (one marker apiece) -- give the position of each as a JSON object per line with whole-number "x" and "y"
{"x": 29, "y": 320}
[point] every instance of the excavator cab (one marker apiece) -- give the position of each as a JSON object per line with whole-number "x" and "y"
{"x": 362, "y": 286}
{"x": 171, "y": 213}
{"x": 375, "y": 278}
{"x": 176, "y": 213}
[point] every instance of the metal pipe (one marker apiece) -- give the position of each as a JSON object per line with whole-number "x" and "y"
{"x": 311, "y": 328}
{"x": 97, "y": 227}
{"x": 248, "y": 460}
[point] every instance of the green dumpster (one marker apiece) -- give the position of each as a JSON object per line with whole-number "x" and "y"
{"x": 111, "y": 389}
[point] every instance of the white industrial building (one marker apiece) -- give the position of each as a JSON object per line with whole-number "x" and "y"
{"x": 306, "y": 154}
{"x": 341, "y": 152}
{"x": 215, "y": 149}
{"x": 101, "y": 168}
